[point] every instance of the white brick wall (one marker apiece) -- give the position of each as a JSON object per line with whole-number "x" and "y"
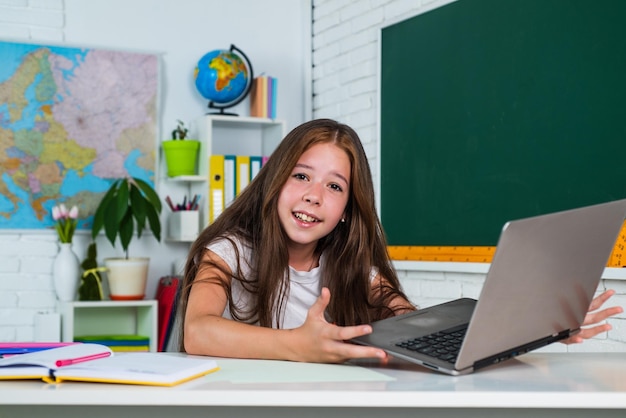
{"x": 26, "y": 258}
{"x": 32, "y": 19}
{"x": 345, "y": 87}
{"x": 25, "y": 282}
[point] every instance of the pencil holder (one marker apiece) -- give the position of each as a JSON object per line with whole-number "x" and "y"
{"x": 184, "y": 225}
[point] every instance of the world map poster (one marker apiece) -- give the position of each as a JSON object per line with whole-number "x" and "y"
{"x": 71, "y": 121}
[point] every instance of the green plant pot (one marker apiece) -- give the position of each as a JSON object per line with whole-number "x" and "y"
{"x": 181, "y": 157}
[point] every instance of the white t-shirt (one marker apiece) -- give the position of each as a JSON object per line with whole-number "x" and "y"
{"x": 304, "y": 289}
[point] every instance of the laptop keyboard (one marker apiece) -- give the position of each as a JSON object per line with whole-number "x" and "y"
{"x": 444, "y": 345}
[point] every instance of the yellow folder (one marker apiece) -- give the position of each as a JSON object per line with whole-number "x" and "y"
{"x": 216, "y": 186}
{"x": 242, "y": 163}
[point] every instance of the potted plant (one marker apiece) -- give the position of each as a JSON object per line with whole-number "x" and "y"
{"x": 181, "y": 153}
{"x": 128, "y": 205}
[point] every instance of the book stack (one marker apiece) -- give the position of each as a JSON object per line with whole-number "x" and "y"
{"x": 118, "y": 343}
{"x": 228, "y": 176}
{"x": 263, "y": 97}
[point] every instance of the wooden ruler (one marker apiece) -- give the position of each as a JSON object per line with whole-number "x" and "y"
{"x": 475, "y": 254}
{"x": 618, "y": 256}
{"x": 483, "y": 254}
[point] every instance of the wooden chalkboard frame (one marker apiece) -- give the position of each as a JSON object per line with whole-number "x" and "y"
{"x": 450, "y": 171}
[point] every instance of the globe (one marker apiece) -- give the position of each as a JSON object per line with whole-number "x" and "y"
{"x": 223, "y": 77}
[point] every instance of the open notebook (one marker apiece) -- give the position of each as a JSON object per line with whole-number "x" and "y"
{"x": 98, "y": 363}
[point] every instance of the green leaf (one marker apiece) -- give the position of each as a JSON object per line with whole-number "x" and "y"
{"x": 155, "y": 223}
{"x": 150, "y": 194}
{"x": 128, "y": 202}
{"x": 110, "y": 221}
{"x": 122, "y": 200}
{"x": 126, "y": 230}
{"x": 138, "y": 206}
{"x": 98, "y": 219}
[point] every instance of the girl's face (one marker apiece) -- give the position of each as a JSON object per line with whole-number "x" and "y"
{"x": 314, "y": 198}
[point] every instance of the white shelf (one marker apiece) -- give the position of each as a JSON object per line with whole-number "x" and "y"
{"x": 137, "y": 317}
{"x": 187, "y": 179}
{"x": 234, "y": 135}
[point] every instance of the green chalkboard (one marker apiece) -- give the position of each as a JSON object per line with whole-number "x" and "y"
{"x": 499, "y": 109}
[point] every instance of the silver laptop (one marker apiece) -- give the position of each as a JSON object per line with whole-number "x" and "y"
{"x": 542, "y": 278}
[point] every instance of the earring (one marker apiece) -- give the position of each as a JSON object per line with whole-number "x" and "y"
{"x": 343, "y": 220}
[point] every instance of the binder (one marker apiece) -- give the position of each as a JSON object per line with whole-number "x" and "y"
{"x": 216, "y": 186}
{"x": 256, "y": 162}
{"x": 243, "y": 172}
{"x": 230, "y": 185}
{"x": 166, "y": 296}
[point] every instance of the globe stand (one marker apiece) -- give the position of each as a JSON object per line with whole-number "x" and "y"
{"x": 221, "y": 112}
{"x": 221, "y": 107}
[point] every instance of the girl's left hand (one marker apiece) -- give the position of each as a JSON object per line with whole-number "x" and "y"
{"x": 591, "y": 325}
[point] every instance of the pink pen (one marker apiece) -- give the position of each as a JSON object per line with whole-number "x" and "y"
{"x": 70, "y": 361}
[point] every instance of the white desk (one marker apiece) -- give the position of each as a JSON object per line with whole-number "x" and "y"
{"x": 544, "y": 384}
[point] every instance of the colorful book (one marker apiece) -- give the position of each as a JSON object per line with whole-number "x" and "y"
{"x": 264, "y": 94}
{"x": 263, "y": 97}
{"x": 255, "y": 98}
{"x": 273, "y": 95}
{"x": 268, "y": 98}
{"x": 115, "y": 340}
{"x": 129, "y": 348}
{"x": 98, "y": 363}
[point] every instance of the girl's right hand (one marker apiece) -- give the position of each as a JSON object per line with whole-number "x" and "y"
{"x": 321, "y": 342}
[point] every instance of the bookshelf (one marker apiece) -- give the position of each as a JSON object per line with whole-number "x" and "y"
{"x": 138, "y": 317}
{"x": 225, "y": 135}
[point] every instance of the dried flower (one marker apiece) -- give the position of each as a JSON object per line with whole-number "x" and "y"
{"x": 65, "y": 222}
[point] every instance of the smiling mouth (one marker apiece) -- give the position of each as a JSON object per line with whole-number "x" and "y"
{"x": 304, "y": 217}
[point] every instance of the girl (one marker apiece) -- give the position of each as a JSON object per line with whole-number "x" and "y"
{"x": 258, "y": 281}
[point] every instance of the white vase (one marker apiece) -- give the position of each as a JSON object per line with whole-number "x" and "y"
{"x": 66, "y": 273}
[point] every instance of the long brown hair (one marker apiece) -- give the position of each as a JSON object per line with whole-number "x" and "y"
{"x": 352, "y": 248}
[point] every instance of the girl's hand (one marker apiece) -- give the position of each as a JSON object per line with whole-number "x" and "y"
{"x": 594, "y": 317}
{"x": 320, "y": 342}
